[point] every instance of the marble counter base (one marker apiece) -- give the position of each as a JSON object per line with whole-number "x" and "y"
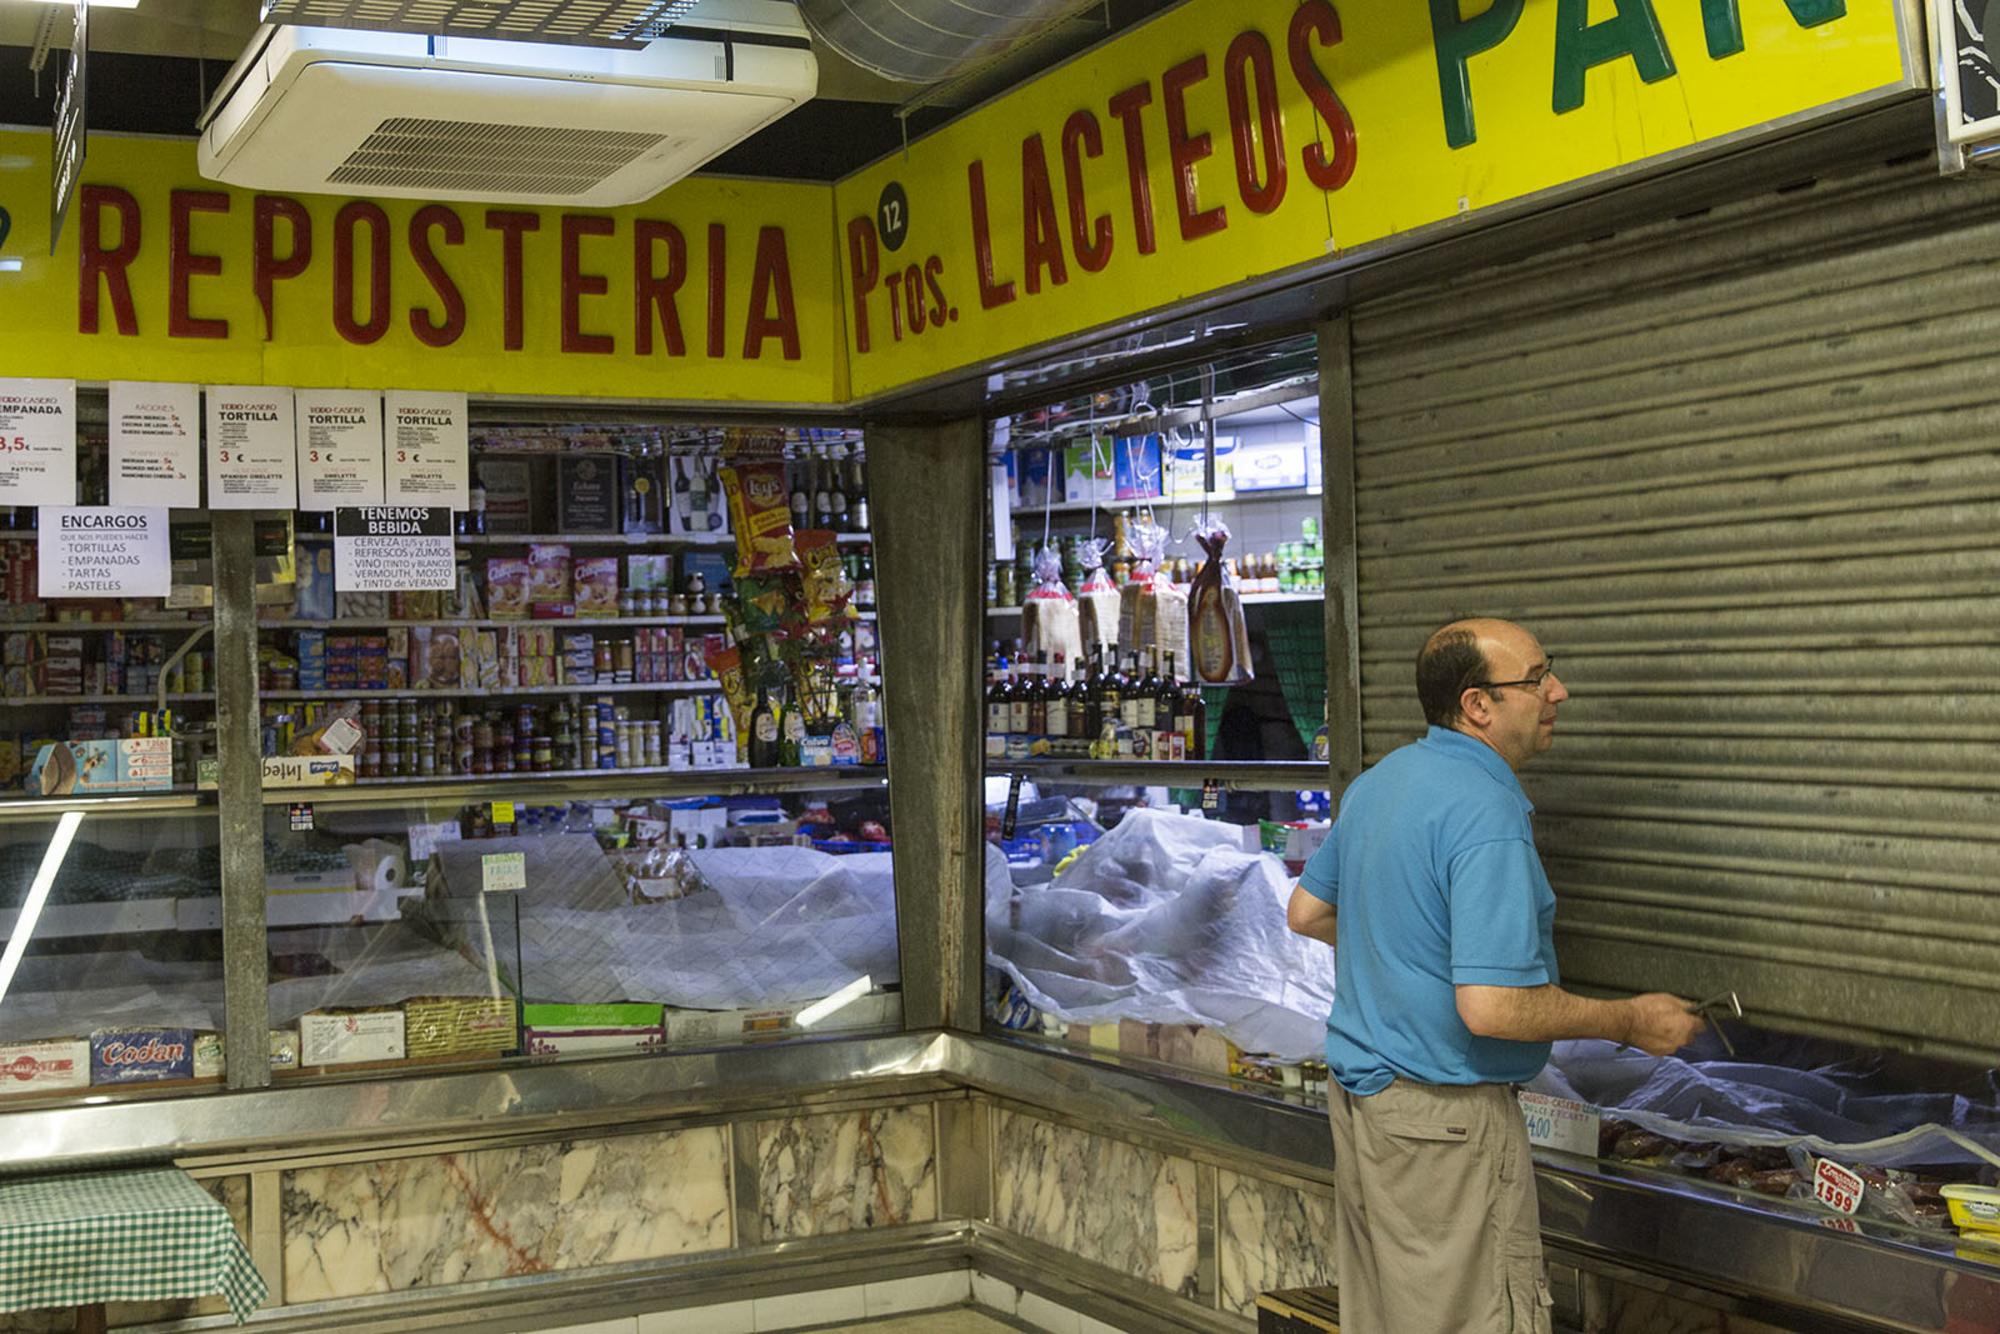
{"x": 1269, "y": 1236}
{"x": 825, "y": 1174}
{"x": 1103, "y": 1200}
{"x": 431, "y": 1221}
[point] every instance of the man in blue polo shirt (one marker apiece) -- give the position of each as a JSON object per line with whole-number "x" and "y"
{"x": 1446, "y": 995}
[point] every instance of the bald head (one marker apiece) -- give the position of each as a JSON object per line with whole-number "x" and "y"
{"x": 1459, "y": 655}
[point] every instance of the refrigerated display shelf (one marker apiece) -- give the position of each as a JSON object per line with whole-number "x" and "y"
{"x": 567, "y": 623}
{"x": 584, "y": 784}
{"x": 343, "y": 692}
{"x": 23, "y": 701}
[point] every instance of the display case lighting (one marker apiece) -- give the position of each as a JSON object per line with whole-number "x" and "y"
{"x": 38, "y": 895}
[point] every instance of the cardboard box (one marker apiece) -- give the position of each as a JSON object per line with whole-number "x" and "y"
{"x": 41, "y": 1067}
{"x": 589, "y": 498}
{"x": 1136, "y": 465}
{"x": 459, "y": 1026}
{"x": 565, "y": 1030}
{"x": 351, "y": 1038}
{"x": 138, "y": 764}
{"x": 141, "y": 1055}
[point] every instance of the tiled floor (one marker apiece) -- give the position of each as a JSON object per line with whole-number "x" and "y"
{"x": 962, "y": 1320}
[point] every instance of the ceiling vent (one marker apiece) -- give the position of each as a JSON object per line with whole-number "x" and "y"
{"x": 405, "y": 115}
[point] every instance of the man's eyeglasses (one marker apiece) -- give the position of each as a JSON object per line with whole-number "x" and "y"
{"x": 1538, "y": 683}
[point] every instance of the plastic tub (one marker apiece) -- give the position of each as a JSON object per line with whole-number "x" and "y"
{"x": 1974, "y": 1208}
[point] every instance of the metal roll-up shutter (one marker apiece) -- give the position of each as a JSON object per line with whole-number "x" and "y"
{"x": 1741, "y": 474}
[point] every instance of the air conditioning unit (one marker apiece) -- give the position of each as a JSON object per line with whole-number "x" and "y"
{"x": 351, "y": 111}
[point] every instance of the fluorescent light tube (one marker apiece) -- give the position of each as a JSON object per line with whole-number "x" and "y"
{"x": 38, "y": 894}
{"x": 819, "y": 1009}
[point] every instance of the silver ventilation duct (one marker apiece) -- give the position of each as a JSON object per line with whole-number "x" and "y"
{"x": 927, "y": 41}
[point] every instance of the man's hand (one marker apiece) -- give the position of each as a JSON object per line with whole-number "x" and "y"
{"x": 1655, "y": 1023}
{"x": 1661, "y": 1024}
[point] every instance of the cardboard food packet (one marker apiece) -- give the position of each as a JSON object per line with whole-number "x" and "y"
{"x": 1152, "y": 610}
{"x": 1217, "y": 628}
{"x": 1050, "y": 622}
{"x": 1097, "y": 599}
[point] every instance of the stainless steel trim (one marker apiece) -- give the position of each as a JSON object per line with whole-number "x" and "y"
{"x": 965, "y": 1156}
{"x": 246, "y": 966}
{"x": 261, "y": 1125}
{"x": 267, "y": 1230}
{"x": 1235, "y": 775}
{"x": 569, "y": 1297}
{"x": 47, "y": 808}
{"x": 1341, "y": 574}
{"x": 747, "y": 1209}
{"x": 1207, "y": 1263}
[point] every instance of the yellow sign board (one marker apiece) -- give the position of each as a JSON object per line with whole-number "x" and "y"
{"x": 1225, "y": 141}
{"x": 1230, "y": 140}
{"x": 717, "y": 290}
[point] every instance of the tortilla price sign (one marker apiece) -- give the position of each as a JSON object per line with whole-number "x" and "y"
{"x": 393, "y": 549}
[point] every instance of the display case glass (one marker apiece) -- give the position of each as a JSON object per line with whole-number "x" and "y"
{"x": 580, "y": 917}
{"x": 111, "y": 974}
{"x": 1156, "y": 735}
{"x": 620, "y": 787}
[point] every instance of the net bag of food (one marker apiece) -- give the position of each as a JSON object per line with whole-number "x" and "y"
{"x": 1215, "y": 615}
{"x": 1096, "y": 598}
{"x": 1152, "y": 610}
{"x": 1049, "y": 618}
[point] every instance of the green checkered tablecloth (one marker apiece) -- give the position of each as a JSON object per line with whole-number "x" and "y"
{"x": 149, "y": 1235}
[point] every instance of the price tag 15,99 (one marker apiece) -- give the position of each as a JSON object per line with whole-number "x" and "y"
{"x": 1836, "y": 1187}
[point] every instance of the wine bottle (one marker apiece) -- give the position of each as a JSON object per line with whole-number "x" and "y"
{"x": 1058, "y": 693}
{"x": 764, "y": 749}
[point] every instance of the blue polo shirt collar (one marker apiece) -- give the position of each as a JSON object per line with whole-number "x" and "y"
{"x": 1458, "y": 744}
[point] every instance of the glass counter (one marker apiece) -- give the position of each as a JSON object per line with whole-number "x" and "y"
{"x": 579, "y": 917}
{"x": 111, "y": 975}
{"x": 1138, "y": 910}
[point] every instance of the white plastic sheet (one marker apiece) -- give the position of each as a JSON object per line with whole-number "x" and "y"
{"x": 1165, "y": 919}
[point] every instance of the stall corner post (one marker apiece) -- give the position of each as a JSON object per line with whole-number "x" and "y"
{"x": 928, "y": 494}
{"x": 1343, "y": 626}
{"x": 240, "y": 805}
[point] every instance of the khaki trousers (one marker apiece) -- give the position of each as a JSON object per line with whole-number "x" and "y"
{"x": 1436, "y": 1230}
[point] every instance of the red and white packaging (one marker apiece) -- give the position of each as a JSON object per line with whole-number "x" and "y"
{"x": 1836, "y": 1187}
{"x": 37, "y": 1067}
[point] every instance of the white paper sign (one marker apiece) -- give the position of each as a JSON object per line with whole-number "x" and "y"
{"x": 340, "y": 447}
{"x": 104, "y": 553}
{"x": 1561, "y": 1124}
{"x": 37, "y": 442}
{"x": 251, "y": 463}
{"x": 429, "y": 460}
{"x": 155, "y": 444}
{"x": 503, "y": 871}
{"x": 393, "y": 549}
{"x": 424, "y": 839}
